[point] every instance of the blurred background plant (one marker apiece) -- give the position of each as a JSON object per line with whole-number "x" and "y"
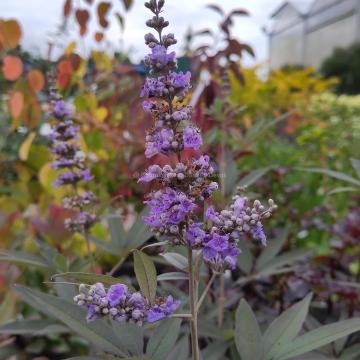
{"x": 290, "y": 135}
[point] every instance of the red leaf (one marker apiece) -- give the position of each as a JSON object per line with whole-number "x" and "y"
{"x": 82, "y": 17}
{"x": 67, "y": 8}
{"x": 102, "y": 10}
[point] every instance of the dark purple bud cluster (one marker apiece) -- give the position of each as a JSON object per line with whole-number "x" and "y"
{"x": 186, "y": 186}
{"x": 121, "y": 304}
{"x": 70, "y": 161}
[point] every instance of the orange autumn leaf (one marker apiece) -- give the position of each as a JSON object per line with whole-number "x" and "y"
{"x": 12, "y": 67}
{"x": 36, "y": 80}
{"x": 10, "y": 34}
{"x": 67, "y": 8}
{"x": 99, "y": 36}
{"x": 16, "y": 103}
{"x": 82, "y": 17}
{"x": 102, "y": 10}
{"x": 65, "y": 66}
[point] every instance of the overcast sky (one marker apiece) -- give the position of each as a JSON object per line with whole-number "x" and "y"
{"x": 40, "y": 18}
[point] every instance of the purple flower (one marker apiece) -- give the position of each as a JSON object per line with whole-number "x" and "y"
{"x": 152, "y": 173}
{"x": 160, "y": 58}
{"x": 161, "y": 311}
{"x": 258, "y": 233}
{"x": 218, "y": 242}
{"x": 91, "y": 313}
{"x": 180, "y": 80}
{"x": 183, "y": 114}
{"x": 116, "y": 293}
{"x": 192, "y": 138}
{"x": 153, "y": 88}
{"x": 195, "y": 234}
{"x": 62, "y": 109}
{"x": 159, "y": 142}
{"x": 239, "y": 206}
{"x": 148, "y": 105}
{"x": 86, "y": 176}
{"x": 212, "y": 215}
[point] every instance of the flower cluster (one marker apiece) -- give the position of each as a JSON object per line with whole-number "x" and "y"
{"x": 70, "y": 161}
{"x": 120, "y": 304}
{"x": 173, "y": 208}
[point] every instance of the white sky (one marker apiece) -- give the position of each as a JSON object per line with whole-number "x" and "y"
{"x": 39, "y": 19}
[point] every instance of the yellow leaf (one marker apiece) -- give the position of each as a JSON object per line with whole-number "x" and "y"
{"x": 100, "y": 113}
{"x": 25, "y": 146}
{"x": 70, "y": 48}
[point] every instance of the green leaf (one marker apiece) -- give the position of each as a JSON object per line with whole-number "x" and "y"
{"x": 248, "y": 337}
{"x": 145, "y": 272}
{"x": 317, "y": 338}
{"x": 163, "y": 339}
{"x": 89, "y": 278}
{"x": 22, "y": 258}
{"x": 131, "y": 336}
{"x": 116, "y": 229}
{"x": 351, "y": 353}
{"x": 172, "y": 276}
{"x": 231, "y": 173}
{"x": 215, "y": 350}
{"x": 254, "y": 175}
{"x": 285, "y": 328}
{"x": 333, "y": 174}
{"x": 245, "y": 260}
{"x": 343, "y": 189}
{"x": 139, "y": 232}
{"x": 107, "y": 246}
{"x": 271, "y": 250}
{"x": 180, "y": 351}
{"x": 356, "y": 165}
{"x": 33, "y": 327}
{"x": 282, "y": 260}
{"x": 176, "y": 260}
{"x": 98, "y": 332}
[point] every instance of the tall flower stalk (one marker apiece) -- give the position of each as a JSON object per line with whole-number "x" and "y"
{"x": 71, "y": 167}
{"x": 187, "y": 185}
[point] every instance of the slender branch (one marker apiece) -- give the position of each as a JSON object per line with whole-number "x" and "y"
{"x": 117, "y": 266}
{"x": 192, "y": 297}
{"x": 181, "y": 315}
{"x": 203, "y": 295}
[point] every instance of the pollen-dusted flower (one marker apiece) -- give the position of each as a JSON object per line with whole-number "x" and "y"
{"x": 192, "y": 138}
{"x": 162, "y": 310}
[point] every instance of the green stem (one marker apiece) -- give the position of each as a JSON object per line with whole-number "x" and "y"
{"x": 203, "y": 295}
{"x": 192, "y": 298}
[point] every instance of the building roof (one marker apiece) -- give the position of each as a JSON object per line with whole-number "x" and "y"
{"x": 301, "y": 6}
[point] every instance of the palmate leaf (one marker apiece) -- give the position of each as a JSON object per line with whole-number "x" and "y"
{"x": 248, "y": 338}
{"x": 285, "y": 328}
{"x": 145, "y": 272}
{"x": 172, "y": 276}
{"x": 317, "y": 338}
{"x": 98, "y": 332}
{"x": 180, "y": 351}
{"x": 163, "y": 339}
{"x": 356, "y": 165}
